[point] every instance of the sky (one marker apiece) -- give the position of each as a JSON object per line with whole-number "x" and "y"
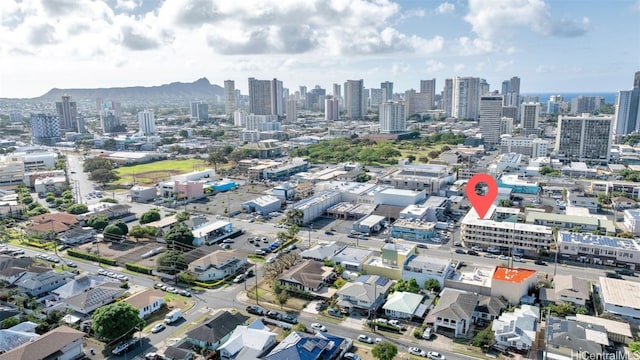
{"x": 552, "y": 45}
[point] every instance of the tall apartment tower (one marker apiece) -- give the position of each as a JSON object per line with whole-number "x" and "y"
{"x": 259, "y": 97}
{"x": 303, "y": 92}
{"x": 336, "y": 91}
{"x": 511, "y": 92}
{"x": 447, "y": 97}
{"x": 428, "y": 87}
{"x": 354, "y": 98}
{"x": 146, "y": 122}
{"x": 415, "y": 102}
{"x": 199, "y": 111}
{"x": 375, "y": 96}
{"x": 292, "y": 111}
{"x": 331, "y": 109}
{"x": 392, "y": 117}
{"x": 45, "y": 129}
{"x": 584, "y": 138}
{"x": 387, "y": 90}
{"x": 466, "y": 98}
{"x": 529, "y": 118}
{"x": 627, "y": 114}
{"x": 490, "y": 117}
{"x": 230, "y": 104}
{"x": 586, "y": 104}
{"x": 67, "y": 114}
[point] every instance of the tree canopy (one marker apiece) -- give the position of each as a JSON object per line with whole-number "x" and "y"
{"x": 115, "y": 320}
{"x": 385, "y": 350}
{"x": 150, "y": 216}
{"x": 171, "y": 262}
{"x": 410, "y": 285}
{"x": 98, "y": 222}
{"x": 104, "y": 176}
{"x": 179, "y": 234}
{"x": 77, "y": 209}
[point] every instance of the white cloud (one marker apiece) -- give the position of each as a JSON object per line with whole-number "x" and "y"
{"x": 445, "y": 8}
{"x": 492, "y": 19}
{"x": 400, "y": 68}
{"x": 128, "y": 4}
{"x": 467, "y": 46}
{"x": 458, "y": 68}
{"x": 433, "y": 66}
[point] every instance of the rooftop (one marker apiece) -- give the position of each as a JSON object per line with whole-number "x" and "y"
{"x": 515, "y": 275}
{"x": 414, "y": 224}
{"x": 616, "y": 292}
{"x": 598, "y": 240}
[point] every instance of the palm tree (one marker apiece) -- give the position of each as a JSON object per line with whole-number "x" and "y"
{"x": 295, "y": 216}
{"x": 217, "y": 157}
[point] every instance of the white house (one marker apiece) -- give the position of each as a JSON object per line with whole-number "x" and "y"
{"x": 248, "y": 342}
{"x": 632, "y": 220}
{"x": 366, "y": 293}
{"x": 404, "y": 305}
{"x": 218, "y": 264}
{"x": 423, "y": 268}
{"x": 618, "y": 299}
{"x": 454, "y": 312}
{"x": 567, "y": 288}
{"x": 517, "y": 329}
{"x": 147, "y": 302}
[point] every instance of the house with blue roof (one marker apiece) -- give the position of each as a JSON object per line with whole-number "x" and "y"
{"x": 300, "y": 346}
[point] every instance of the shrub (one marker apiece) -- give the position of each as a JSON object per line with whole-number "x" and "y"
{"x": 138, "y": 268}
{"x": 99, "y": 259}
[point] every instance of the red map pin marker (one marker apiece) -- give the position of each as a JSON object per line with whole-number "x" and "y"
{"x": 482, "y": 204}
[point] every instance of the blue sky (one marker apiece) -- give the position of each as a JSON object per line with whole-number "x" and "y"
{"x": 552, "y": 45}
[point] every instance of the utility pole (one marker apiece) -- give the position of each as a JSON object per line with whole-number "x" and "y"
{"x": 310, "y": 230}
{"x": 257, "y": 300}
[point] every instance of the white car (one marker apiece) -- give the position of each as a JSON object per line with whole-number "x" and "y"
{"x": 159, "y": 327}
{"x": 433, "y": 355}
{"x": 489, "y": 255}
{"x": 173, "y": 341}
{"x": 518, "y": 259}
{"x": 503, "y": 257}
{"x": 365, "y": 339}
{"x": 319, "y": 327}
{"x": 417, "y": 351}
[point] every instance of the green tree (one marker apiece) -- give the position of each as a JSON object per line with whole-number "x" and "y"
{"x": 123, "y": 226}
{"x": 115, "y": 320}
{"x": 95, "y": 163}
{"x": 410, "y": 285}
{"x": 363, "y": 177}
{"x": 432, "y": 285}
{"x": 171, "y": 262}
{"x": 104, "y": 176}
{"x": 182, "y": 216}
{"x": 113, "y": 232}
{"x": 294, "y": 216}
{"x": 77, "y": 209}
{"x": 150, "y": 216}
{"x": 10, "y": 322}
{"x": 385, "y": 350}
{"x": 98, "y": 222}
{"x": 110, "y": 144}
{"x": 138, "y": 232}
{"x": 484, "y": 337}
{"x": 217, "y": 157}
{"x": 179, "y": 234}
{"x": 282, "y": 298}
{"x": 293, "y": 230}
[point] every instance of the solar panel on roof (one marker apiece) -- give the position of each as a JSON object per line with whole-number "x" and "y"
{"x": 322, "y": 344}
{"x": 382, "y": 281}
{"x": 309, "y": 345}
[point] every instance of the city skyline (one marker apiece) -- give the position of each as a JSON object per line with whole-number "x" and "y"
{"x": 553, "y": 46}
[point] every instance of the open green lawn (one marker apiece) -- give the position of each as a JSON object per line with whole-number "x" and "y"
{"x": 157, "y": 171}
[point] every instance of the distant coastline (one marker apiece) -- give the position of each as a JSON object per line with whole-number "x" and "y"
{"x": 609, "y": 97}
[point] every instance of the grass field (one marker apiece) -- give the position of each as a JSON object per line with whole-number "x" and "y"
{"x": 155, "y": 172}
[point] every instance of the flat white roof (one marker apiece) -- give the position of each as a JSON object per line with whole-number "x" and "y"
{"x": 598, "y": 240}
{"x": 472, "y": 218}
{"x": 616, "y": 292}
{"x": 371, "y": 220}
{"x": 399, "y": 192}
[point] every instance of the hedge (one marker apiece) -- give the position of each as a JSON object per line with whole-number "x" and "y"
{"x": 85, "y": 256}
{"x": 209, "y": 285}
{"x": 383, "y": 326}
{"x": 138, "y": 268}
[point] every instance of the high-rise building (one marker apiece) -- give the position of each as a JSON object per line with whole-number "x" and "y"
{"x": 585, "y": 104}
{"x": 331, "y": 109}
{"x": 428, "y": 87}
{"x": 259, "y": 97}
{"x": 466, "y": 98}
{"x": 292, "y": 111}
{"x": 387, "y": 90}
{"x": 354, "y": 99}
{"x": 627, "y": 114}
{"x": 277, "y": 101}
{"x": 392, "y": 117}
{"x": 506, "y": 126}
{"x": 199, "y": 111}
{"x": 485, "y": 88}
{"x": 511, "y": 92}
{"x": 146, "y": 122}
{"x": 67, "y": 114}
{"x": 303, "y": 92}
{"x": 45, "y": 129}
{"x": 375, "y": 98}
{"x": 447, "y": 97}
{"x": 510, "y": 112}
{"x": 230, "y": 103}
{"x": 529, "y": 118}
{"x": 240, "y": 118}
{"x": 110, "y": 113}
{"x": 584, "y": 138}
{"x": 490, "y": 115}
{"x": 415, "y": 102}
{"x": 336, "y": 91}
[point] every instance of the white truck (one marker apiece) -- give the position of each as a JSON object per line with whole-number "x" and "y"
{"x": 172, "y": 316}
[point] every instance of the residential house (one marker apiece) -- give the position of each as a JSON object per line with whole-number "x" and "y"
{"x": 17, "y": 335}
{"x": 36, "y": 284}
{"x": 176, "y": 353}
{"x": 616, "y": 299}
{"x": 302, "y": 346}
{"x": 112, "y": 211}
{"x": 390, "y": 263}
{"x": 147, "y": 302}
{"x": 77, "y": 235}
{"x": 322, "y": 252}
{"x": 210, "y": 233}
{"x": 454, "y": 312}
{"x": 218, "y": 264}
{"x": 351, "y": 258}
{"x": 512, "y": 283}
{"x": 404, "y": 305}
{"x": 566, "y": 288}
{"x": 56, "y": 222}
{"x": 165, "y": 224}
{"x": 12, "y": 268}
{"x": 517, "y": 329}
{"x": 623, "y": 203}
{"x": 8, "y": 312}
{"x": 86, "y": 302}
{"x": 80, "y": 285}
{"x": 617, "y": 331}
{"x": 248, "y": 342}
{"x": 307, "y": 276}
{"x": 568, "y": 339}
{"x": 489, "y": 308}
{"x": 61, "y": 343}
{"x": 215, "y": 331}
{"x": 366, "y": 293}
{"x": 423, "y": 268}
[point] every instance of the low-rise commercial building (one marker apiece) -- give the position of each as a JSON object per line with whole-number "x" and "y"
{"x": 423, "y": 268}
{"x": 430, "y": 178}
{"x": 263, "y": 205}
{"x": 616, "y": 299}
{"x": 632, "y": 220}
{"x": 143, "y": 194}
{"x": 599, "y": 249}
{"x": 415, "y": 230}
{"x": 512, "y": 283}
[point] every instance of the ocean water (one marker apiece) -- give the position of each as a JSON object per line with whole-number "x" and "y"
{"x": 609, "y": 97}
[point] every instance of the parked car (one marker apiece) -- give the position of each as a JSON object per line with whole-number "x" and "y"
{"x": 155, "y": 286}
{"x": 239, "y": 278}
{"x": 472, "y": 252}
{"x": 614, "y": 275}
{"x": 460, "y": 251}
{"x": 290, "y": 319}
{"x": 433, "y": 355}
{"x": 255, "y": 310}
{"x": 185, "y": 293}
{"x": 121, "y": 348}
{"x": 320, "y": 306}
{"x": 489, "y": 255}
{"x": 225, "y": 246}
{"x": 71, "y": 264}
{"x": 102, "y": 272}
{"x": 159, "y": 327}
{"x": 318, "y": 327}
{"x": 365, "y": 339}
{"x": 272, "y": 314}
{"x": 540, "y": 262}
{"x": 417, "y": 351}
{"x": 351, "y": 356}
{"x": 627, "y": 272}
{"x": 64, "y": 247}
{"x": 518, "y": 259}
{"x": 503, "y": 257}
